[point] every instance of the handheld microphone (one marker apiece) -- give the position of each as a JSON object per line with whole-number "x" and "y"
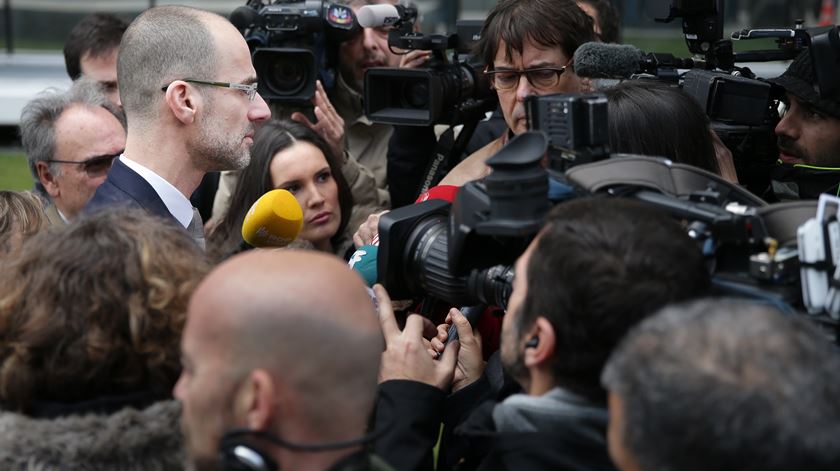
{"x": 618, "y": 61}
{"x": 274, "y": 220}
{"x": 363, "y": 262}
{"x": 374, "y": 16}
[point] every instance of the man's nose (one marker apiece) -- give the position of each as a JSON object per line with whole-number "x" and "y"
{"x": 788, "y": 126}
{"x": 369, "y": 39}
{"x": 259, "y": 109}
{"x": 523, "y": 88}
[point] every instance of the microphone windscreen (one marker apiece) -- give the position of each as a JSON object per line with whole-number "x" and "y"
{"x": 599, "y": 60}
{"x": 363, "y": 262}
{"x": 374, "y": 16}
{"x": 244, "y": 17}
{"x": 441, "y": 192}
{"x": 274, "y": 220}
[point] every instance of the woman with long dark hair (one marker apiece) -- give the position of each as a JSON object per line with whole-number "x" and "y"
{"x": 290, "y": 156}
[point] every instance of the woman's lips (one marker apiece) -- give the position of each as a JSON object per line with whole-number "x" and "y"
{"x": 321, "y": 218}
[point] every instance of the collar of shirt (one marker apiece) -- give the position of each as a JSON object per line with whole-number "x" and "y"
{"x": 177, "y": 204}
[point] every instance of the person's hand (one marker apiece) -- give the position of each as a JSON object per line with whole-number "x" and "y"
{"x": 408, "y": 354}
{"x": 414, "y": 59}
{"x": 368, "y": 230}
{"x": 470, "y": 364}
{"x": 329, "y": 125}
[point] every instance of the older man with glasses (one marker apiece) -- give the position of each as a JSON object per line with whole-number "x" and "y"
{"x": 528, "y": 47}
{"x": 189, "y": 93}
{"x": 71, "y": 138}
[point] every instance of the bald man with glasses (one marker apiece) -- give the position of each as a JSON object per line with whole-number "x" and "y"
{"x": 528, "y": 47}
{"x": 188, "y": 89}
{"x": 71, "y": 138}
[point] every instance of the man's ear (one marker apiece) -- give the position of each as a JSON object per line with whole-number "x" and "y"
{"x": 183, "y": 102}
{"x": 542, "y": 340}
{"x": 47, "y": 178}
{"x": 254, "y": 404}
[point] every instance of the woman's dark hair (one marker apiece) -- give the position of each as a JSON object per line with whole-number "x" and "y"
{"x": 656, "y": 119}
{"x": 255, "y": 180}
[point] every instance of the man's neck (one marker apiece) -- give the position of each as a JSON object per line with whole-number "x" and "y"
{"x": 167, "y": 156}
{"x": 541, "y": 382}
{"x": 321, "y": 461}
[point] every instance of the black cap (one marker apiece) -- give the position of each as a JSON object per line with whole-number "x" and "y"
{"x": 801, "y": 81}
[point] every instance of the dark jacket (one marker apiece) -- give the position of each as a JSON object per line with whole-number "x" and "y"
{"x": 124, "y": 186}
{"x": 573, "y": 438}
{"x": 361, "y": 461}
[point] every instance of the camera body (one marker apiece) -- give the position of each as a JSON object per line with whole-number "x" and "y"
{"x": 291, "y": 42}
{"x": 447, "y": 91}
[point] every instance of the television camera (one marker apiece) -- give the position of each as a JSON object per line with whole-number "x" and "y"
{"x": 292, "y": 43}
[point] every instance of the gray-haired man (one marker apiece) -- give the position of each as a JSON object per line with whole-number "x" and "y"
{"x": 71, "y": 138}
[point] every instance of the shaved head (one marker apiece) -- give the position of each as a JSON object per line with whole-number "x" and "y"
{"x": 301, "y": 316}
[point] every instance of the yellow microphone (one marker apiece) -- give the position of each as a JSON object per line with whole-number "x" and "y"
{"x": 274, "y": 220}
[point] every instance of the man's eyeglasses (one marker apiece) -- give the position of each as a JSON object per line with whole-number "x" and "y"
{"x": 250, "y": 90}
{"x": 543, "y": 78}
{"x": 94, "y": 166}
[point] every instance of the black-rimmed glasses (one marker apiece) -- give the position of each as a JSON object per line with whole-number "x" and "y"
{"x": 94, "y": 166}
{"x": 543, "y": 78}
{"x": 250, "y": 90}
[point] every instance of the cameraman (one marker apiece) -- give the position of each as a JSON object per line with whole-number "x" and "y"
{"x": 517, "y": 35}
{"x": 340, "y": 120}
{"x": 528, "y": 47}
{"x": 597, "y": 268}
{"x": 809, "y": 136}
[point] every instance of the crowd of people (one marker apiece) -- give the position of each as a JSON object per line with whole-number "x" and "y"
{"x": 134, "y": 335}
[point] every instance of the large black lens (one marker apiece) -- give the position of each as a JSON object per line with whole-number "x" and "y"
{"x": 287, "y": 76}
{"x": 415, "y": 94}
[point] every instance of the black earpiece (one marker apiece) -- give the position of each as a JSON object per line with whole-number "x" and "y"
{"x": 533, "y": 343}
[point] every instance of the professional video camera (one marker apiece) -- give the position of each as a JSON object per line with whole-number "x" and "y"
{"x": 742, "y": 109}
{"x": 290, "y": 43}
{"x": 462, "y": 252}
{"x": 448, "y": 91}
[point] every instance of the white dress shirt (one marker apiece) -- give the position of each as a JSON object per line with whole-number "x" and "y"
{"x": 177, "y": 204}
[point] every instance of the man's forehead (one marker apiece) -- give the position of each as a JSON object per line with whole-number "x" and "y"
{"x": 531, "y": 54}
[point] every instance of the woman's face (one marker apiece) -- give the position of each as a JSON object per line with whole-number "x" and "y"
{"x": 302, "y": 169}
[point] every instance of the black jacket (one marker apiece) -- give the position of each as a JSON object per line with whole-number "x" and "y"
{"x": 416, "y": 414}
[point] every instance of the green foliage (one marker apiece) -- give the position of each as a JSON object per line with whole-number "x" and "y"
{"x": 14, "y": 171}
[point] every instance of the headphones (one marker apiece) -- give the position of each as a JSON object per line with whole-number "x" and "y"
{"x": 533, "y": 343}
{"x": 237, "y": 453}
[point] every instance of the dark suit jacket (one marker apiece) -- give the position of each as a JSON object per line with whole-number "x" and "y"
{"x": 124, "y": 186}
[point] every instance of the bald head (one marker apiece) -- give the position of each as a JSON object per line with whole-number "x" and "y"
{"x": 302, "y": 316}
{"x": 164, "y": 44}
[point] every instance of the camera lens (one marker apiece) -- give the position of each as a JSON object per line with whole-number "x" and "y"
{"x": 416, "y": 94}
{"x": 287, "y": 76}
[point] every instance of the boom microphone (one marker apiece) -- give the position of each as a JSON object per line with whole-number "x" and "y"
{"x": 374, "y": 16}
{"x": 599, "y": 60}
{"x": 274, "y": 220}
{"x": 620, "y": 61}
{"x": 245, "y": 17}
